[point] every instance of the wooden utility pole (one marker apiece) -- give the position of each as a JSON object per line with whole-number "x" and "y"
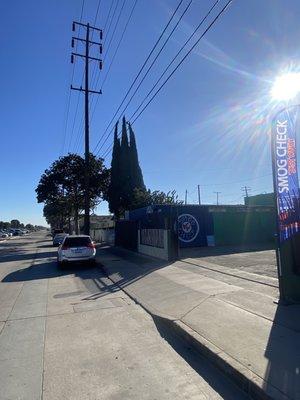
{"x": 87, "y": 91}
{"x": 217, "y": 193}
{"x": 246, "y": 190}
{"x": 199, "y": 198}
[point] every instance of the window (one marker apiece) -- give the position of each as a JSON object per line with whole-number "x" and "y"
{"x": 77, "y": 241}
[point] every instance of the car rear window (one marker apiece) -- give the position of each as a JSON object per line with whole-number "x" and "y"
{"x": 77, "y": 242}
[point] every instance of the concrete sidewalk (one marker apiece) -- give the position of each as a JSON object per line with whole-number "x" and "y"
{"x": 228, "y": 315}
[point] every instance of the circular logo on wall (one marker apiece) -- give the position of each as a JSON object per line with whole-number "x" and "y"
{"x": 188, "y": 228}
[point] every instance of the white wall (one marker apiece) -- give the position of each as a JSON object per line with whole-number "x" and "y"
{"x": 103, "y": 235}
{"x": 155, "y": 251}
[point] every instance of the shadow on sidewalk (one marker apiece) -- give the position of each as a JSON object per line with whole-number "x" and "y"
{"x": 92, "y": 276}
{"x": 283, "y": 352}
{"x": 199, "y": 364}
{"x": 24, "y": 256}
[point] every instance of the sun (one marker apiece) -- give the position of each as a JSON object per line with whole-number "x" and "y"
{"x": 286, "y": 86}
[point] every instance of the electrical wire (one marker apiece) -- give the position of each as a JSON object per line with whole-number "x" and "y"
{"x": 176, "y": 55}
{"x": 176, "y": 68}
{"x": 150, "y": 67}
{"x": 139, "y": 72}
{"x": 114, "y": 56}
{"x": 69, "y": 93}
{"x": 183, "y": 59}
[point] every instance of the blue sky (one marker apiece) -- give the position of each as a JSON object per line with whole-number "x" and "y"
{"x": 208, "y": 126}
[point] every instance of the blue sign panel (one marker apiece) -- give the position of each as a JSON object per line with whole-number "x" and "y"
{"x": 285, "y": 173}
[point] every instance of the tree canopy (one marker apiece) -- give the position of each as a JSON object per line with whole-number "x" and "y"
{"x": 144, "y": 198}
{"x": 61, "y": 188}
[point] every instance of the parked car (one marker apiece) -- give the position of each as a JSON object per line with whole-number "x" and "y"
{"x": 58, "y": 238}
{"x": 76, "y": 248}
{"x": 56, "y": 231}
{"x": 3, "y": 235}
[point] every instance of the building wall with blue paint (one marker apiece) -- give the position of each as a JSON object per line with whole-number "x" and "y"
{"x": 204, "y": 225}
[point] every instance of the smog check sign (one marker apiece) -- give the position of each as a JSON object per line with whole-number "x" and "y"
{"x": 188, "y": 228}
{"x": 286, "y": 184}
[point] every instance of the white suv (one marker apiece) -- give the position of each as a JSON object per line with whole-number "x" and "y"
{"x": 75, "y": 248}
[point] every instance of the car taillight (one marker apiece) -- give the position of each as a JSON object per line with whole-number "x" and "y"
{"x": 91, "y": 245}
{"x": 65, "y": 248}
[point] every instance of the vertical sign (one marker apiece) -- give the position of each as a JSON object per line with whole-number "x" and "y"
{"x": 286, "y": 184}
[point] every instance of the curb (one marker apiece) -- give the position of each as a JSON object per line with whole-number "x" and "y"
{"x": 250, "y": 383}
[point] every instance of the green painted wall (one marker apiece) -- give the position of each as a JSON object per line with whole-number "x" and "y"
{"x": 248, "y": 227}
{"x": 266, "y": 199}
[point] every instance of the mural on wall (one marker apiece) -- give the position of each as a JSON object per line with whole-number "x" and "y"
{"x": 188, "y": 228}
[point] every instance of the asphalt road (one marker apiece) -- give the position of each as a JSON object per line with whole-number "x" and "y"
{"x": 73, "y": 334}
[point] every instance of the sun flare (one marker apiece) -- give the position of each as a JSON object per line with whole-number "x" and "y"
{"x": 286, "y": 86}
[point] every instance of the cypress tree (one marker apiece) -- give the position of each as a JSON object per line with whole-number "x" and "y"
{"x": 126, "y": 173}
{"x": 137, "y": 181}
{"x": 114, "y": 187}
{"x": 124, "y": 176}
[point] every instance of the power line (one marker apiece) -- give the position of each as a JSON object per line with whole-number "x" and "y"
{"x": 176, "y": 55}
{"x": 69, "y": 94}
{"x": 113, "y": 34}
{"x": 114, "y": 55}
{"x": 115, "y": 28}
{"x": 177, "y": 66}
{"x": 80, "y": 127}
{"x": 183, "y": 59}
{"x": 151, "y": 65}
{"x": 111, "y": 37}
{"x": 139, "y": 72}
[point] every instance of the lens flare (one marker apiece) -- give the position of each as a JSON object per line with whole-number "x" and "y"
{"x": 286, "y": 86}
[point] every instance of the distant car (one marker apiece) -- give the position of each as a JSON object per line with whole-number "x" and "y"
{"x": 58, "y": 238}
{"x": 76, "y": 248}
{"x": 3, "y": 235}
{"x": 56, "y": 231}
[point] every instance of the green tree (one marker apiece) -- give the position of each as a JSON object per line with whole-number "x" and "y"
{"x": 137, "y": 181}
{"x": 4, "y": 225}
{"x": 144, "y": 198}
{"x": 113, "y": 195}
{"x": 126, "y": 174}
{"x": 29, "y": 227}
{"x": 61, "y": 188}
{"x": 15, "y": 223}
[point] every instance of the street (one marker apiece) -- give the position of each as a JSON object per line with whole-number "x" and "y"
{"x": 73, "y": 334}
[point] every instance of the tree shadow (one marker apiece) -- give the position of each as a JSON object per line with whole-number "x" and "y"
{"x": 24, "y": 256}
{"x": 49, "y": 269}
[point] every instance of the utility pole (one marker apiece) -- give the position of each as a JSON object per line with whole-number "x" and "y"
{"x": 87, "y": 91}
{"x": 246, "y": 190}
{"x": 199, "y": 198}
{"x": 217, "y": 193}
{"x": 186, "y": 193}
